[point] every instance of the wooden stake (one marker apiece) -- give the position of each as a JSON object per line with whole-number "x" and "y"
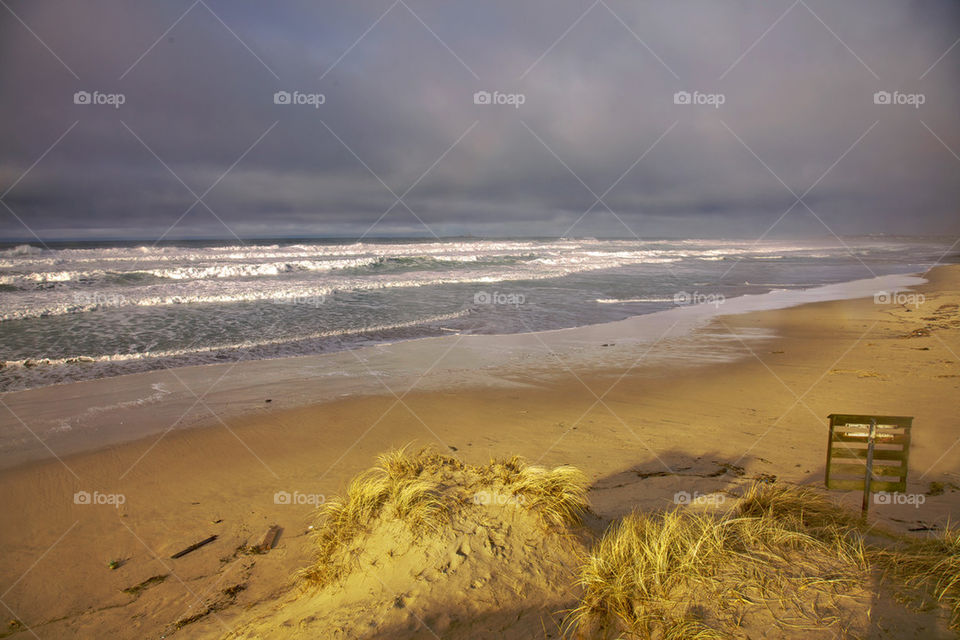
{"x": 869, "y": 477}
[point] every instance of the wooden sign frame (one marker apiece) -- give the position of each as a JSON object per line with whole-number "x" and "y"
{"x": 869, "y": 453}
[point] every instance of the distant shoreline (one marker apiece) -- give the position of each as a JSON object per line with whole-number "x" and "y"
{"x": 92, "y": 414}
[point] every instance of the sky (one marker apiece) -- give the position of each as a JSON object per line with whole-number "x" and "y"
{"x": 200, "y": 118}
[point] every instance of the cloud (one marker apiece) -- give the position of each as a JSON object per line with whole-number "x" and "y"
{"x": 598, "y": 118}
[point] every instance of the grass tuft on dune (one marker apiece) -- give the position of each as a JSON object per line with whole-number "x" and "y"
{"x": 683, "y": 574}
{"x": 929, "y": 569}
{"x": 801, "y": 508}
{"x": 781, "y": 557}
{"x": 423, "y": 490}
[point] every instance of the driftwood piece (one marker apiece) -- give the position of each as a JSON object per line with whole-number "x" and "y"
{"x": 269, "y": 539}
{"x": 193, "y": 547}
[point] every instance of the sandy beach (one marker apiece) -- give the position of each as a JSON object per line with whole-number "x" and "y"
{"x": 748, "y": 399}
{"x": 403, "y": 320}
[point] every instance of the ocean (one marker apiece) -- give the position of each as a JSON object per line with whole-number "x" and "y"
{"x": 79, "y": 310}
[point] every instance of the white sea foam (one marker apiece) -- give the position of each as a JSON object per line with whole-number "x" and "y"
{"x": 623, "y": 300}
{"x": 89, "y": 311}
{"x": 222, "y": 270}
{"x": 21, "y": 250}
{"x": 249, "y": 344}
{"x": 64, "y": 281}
{"x": 160, "y": 391}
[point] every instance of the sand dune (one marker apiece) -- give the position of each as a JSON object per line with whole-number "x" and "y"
{"x": 477, "y": 550}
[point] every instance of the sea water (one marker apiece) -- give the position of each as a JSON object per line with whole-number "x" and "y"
{"x": 79, "y": 310}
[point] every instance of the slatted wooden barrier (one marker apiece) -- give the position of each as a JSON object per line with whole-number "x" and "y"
{"x": 868, "y": 453}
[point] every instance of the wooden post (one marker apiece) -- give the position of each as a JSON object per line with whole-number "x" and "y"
{"x": 826, "y": 474}
{"x": 869, "y": 477}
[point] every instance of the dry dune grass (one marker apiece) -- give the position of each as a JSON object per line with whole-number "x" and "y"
{"x": 929, "y": 569}
{"x": 782, "y": 558}
{"x": 783, "y": 552}
{"x": 423, "y": 490}
{"x": 809, "y": 511}
{"x": 797, "y": 507}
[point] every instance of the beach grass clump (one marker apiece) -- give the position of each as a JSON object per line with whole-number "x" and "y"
{"x": 402, "y": 463}
{"x": 930, "y": 569}
{"x": 413, "y": 501}
{"x": 806, "y": 510}
{"x": 558, "y": 496}
{"x": 424, "y": 490}
{"x": 801, "y": 508}
{"x": 683, "y": 574}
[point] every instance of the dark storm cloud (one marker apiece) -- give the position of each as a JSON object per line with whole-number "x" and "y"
{"x": 797, "y": 79}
